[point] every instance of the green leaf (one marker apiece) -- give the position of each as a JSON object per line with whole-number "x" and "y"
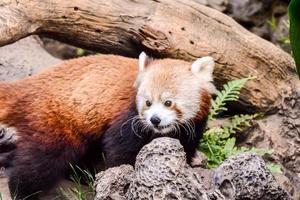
{"x": 274, "y": 168}
{"x": 230, "y": 92}
{"x": 229, "y": 145}
{"x": 272, "y": 23}
{"x": 218, "y": 143}
{"x": 294, "y": 16}
{"x": 80, "y": 52}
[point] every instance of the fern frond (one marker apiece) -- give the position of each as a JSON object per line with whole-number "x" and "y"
{"x": 218, "y": 143}
{"x": 230, "y": 92}
{"x": 237, "y": 122}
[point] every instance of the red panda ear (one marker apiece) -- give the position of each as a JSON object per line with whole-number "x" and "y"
{"x": 204, "y": 66}
{"x": 142, "y": 61}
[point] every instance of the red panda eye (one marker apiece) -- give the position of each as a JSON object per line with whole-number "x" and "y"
{"x": 148, "y": 103}
{"x": 168, "y": 103}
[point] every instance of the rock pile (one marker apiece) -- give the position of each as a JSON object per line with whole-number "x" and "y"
{"x": 161, "y": 172}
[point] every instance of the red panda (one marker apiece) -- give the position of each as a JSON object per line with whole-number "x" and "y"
{"x": 173, "y": 99}
{"x": 71, "y": 113}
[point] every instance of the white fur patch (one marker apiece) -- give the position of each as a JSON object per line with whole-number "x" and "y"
{"x": 8, "y": 134}
{"x": 142, "y": 61}
{"x": 157, "y": 109}
{"x": 142, "y": 65}
{"x": 204, "y": 67}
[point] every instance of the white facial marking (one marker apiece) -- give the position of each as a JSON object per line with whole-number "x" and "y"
{"x": 140, "y": 101}
{"x": 166, "y": 116}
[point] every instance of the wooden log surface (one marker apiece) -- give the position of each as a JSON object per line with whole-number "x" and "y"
{"x": 181, "y": 29}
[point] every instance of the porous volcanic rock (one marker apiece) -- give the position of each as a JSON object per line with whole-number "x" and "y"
{"x": 249, "y": 177}
{"x": 113, "y": 183}
{"x": 161, "y": 172}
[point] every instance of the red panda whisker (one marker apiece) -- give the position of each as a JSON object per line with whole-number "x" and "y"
{"x": 139, "y": 124}
{"x": 175, "y": 130}
{"x": 133, "y": 124}
{"x": 145, "y": 126}
{"x": 133, "y": 118}
{"x": 183, "y": 126}
{"x": 178, "y": 128}
{"x": 192, "y": 130}
{"x": 193, "y": 127}
{"x": 187, "y": 124}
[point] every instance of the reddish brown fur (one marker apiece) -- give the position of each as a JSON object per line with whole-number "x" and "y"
{"x": 178, "y": 111}
{"x": 79, "y": 96}
{"x": 204, "y": 105}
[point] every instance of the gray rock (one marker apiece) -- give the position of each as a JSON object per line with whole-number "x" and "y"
{"x": 280, "y": 36}
{"x": 247, "y": 175}
{"x": 113, "y": 183}
{"x": 161, "y": 172}
{"x": 220, "y": 5}
{"x": 281, "y": 133}
{"x": 24, "y": 58}
{"x": 252, "y": 12}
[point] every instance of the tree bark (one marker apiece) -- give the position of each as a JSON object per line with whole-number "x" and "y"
{"x": 181, "y": 29}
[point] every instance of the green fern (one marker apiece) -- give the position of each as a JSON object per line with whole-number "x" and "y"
{"x": 230, "y": 92}
{"x": 218, "y": 143}
{"x": 237, "y": 122}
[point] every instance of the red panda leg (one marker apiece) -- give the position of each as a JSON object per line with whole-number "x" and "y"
{"x": 8, "y": 140}
{"x": 36, "y": 168}
{"x": 119, "y": 143}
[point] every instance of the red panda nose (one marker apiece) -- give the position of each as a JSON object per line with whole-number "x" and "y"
{"x": 155, "y": 120}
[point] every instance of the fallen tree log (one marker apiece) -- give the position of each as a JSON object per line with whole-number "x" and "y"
{"x": 181, "y": 29}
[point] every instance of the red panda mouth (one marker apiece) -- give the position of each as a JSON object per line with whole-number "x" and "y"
{"x": 162, "y": 127}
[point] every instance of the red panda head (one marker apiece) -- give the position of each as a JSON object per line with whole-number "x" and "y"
{"x": 169, "y": 91}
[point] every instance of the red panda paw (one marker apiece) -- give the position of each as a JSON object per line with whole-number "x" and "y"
{"x": 198, "y": 160}
{"x": 8, "y": 138}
